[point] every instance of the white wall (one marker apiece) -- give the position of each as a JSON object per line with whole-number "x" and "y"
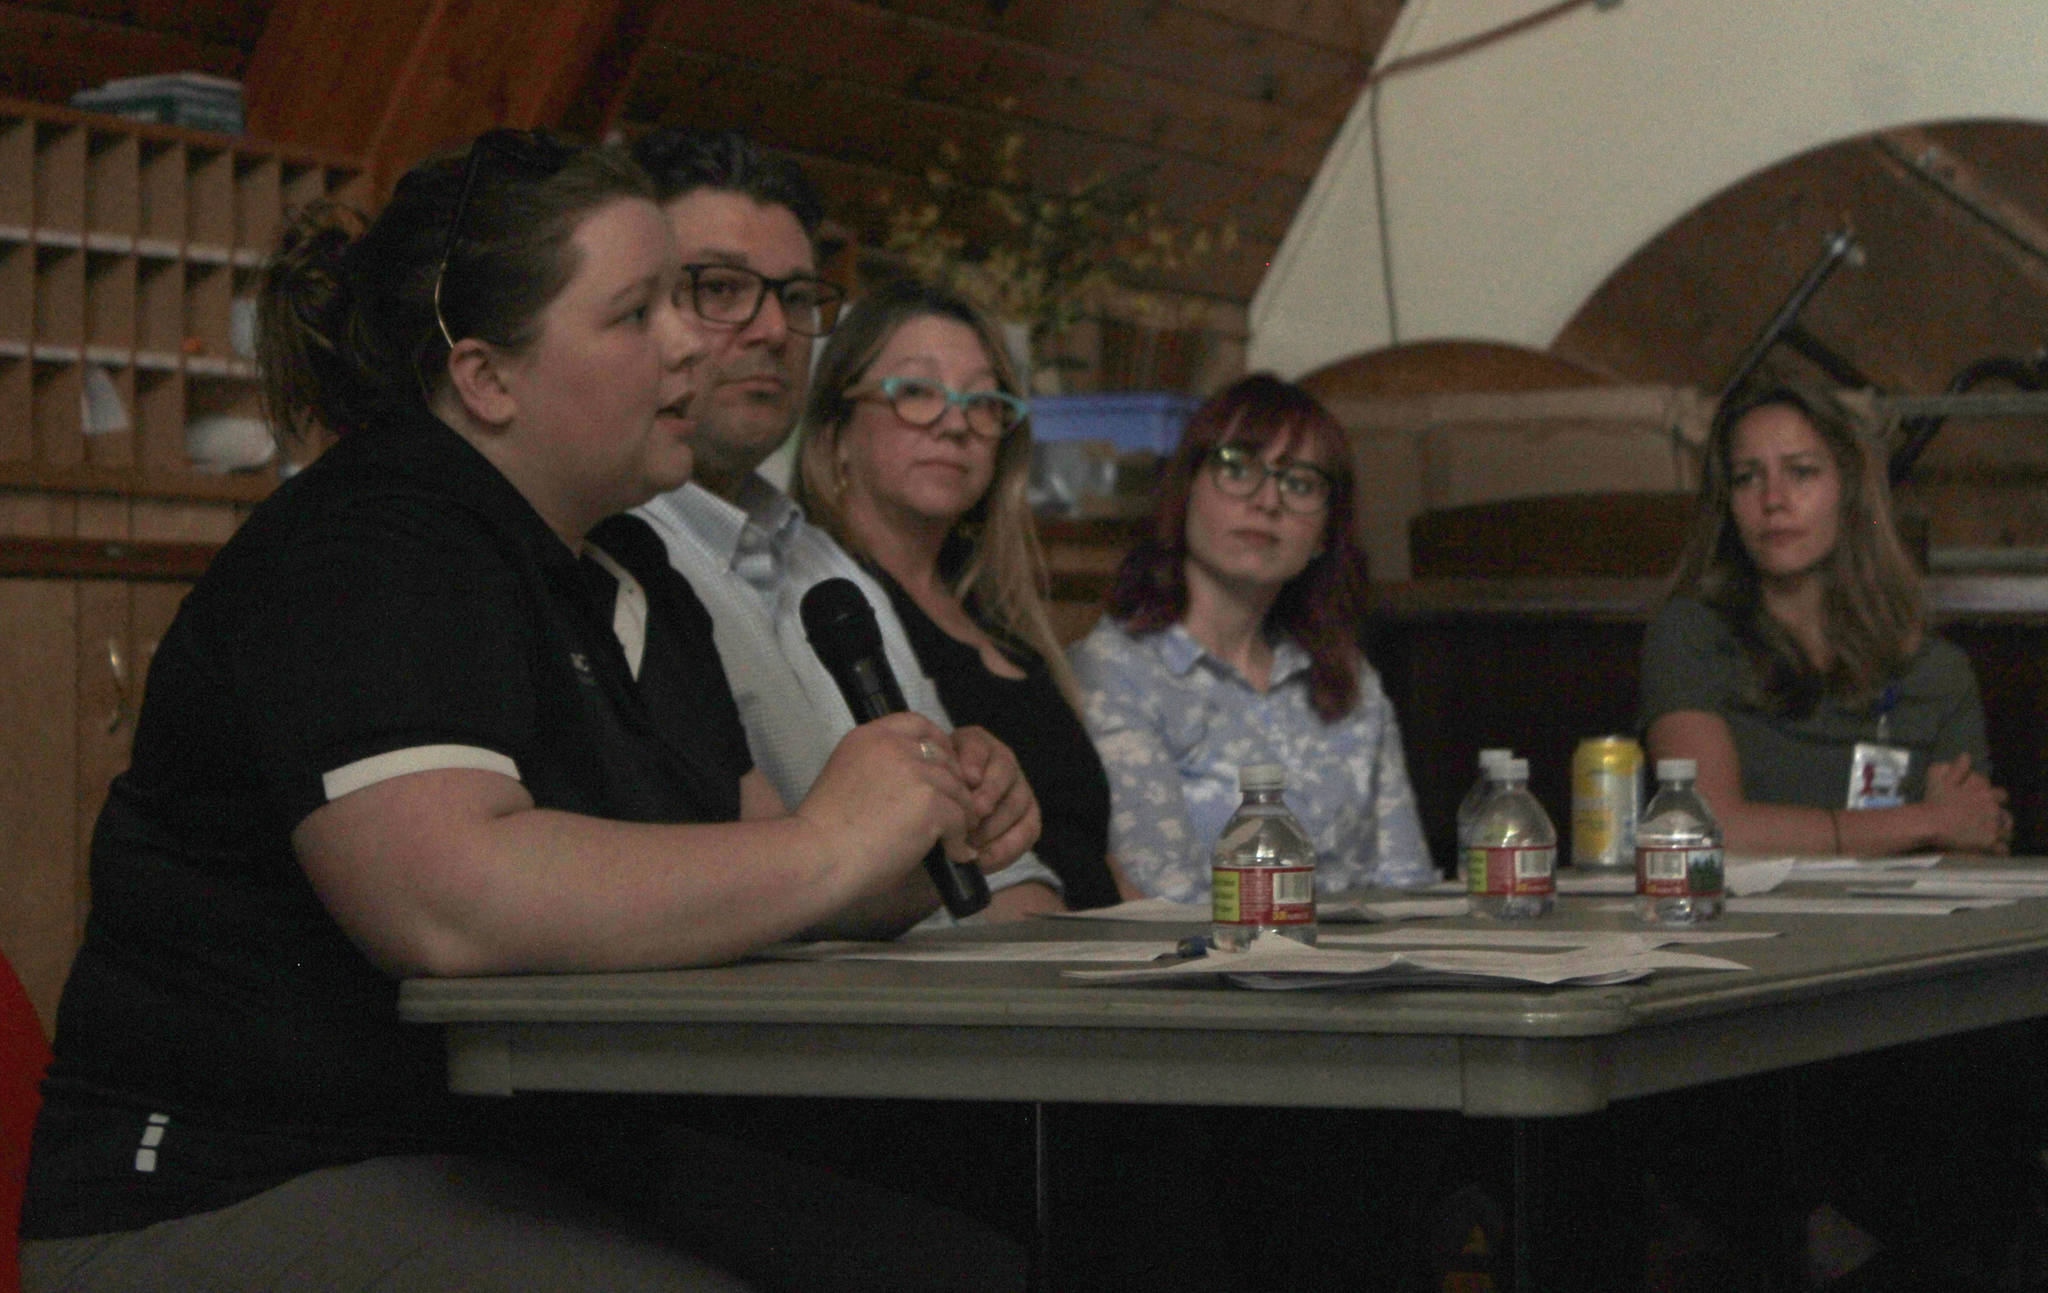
{"x": 1520, "y": 177}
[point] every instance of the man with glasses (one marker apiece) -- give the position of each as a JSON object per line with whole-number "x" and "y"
{"x": 745, "y": 223}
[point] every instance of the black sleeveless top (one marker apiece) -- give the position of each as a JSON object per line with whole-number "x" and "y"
{"x": 1052, "y": 747}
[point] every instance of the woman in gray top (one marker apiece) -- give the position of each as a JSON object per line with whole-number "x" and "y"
{"x": 1792, "y": 660}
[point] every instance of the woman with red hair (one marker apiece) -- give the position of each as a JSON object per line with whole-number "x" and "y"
{"x": 1232, "y": 638}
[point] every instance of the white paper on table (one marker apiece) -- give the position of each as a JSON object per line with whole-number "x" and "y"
{"x": 1267, "y": 963}
{"x": 1336, "y": 911}
{"x": 1748, "y": 876}
{"x": 918, "y": 950}
{"x": 1859, "y": 906}
{"x": 1832, "y": 868}
{"x": 1943, "y": 887}
{"x": 1604, "y": 939}
{"x": 1996, "y": 874}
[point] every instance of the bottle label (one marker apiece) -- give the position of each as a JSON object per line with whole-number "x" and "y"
{"x": 1263, "y": 895}
{"x": 1679, "y": 873}
{"x": 1511, "y": 873}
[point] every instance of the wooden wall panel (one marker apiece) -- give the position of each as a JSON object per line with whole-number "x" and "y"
{"x": 854, "y": 122}
{"x": 50, "y": 52}
{"x": 1008, "y": 83}
{"x": 414, "y": 78}
{"x": 1354, "y": 28}
{"x": 224, "y": 22}
{"x": 1174, "y": 41}
{"x": 323, "y": 75}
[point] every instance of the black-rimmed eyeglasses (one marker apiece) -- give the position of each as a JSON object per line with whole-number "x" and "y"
{"x": 1240, "y": 473}
{"x": 731, "y": 295}
{"x": 922, "y": 402}
{"x": 529, "y": 154}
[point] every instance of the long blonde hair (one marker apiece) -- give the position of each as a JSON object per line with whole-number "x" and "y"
{"x": 992, "y": 561}
{"x": 1872, "y": 602}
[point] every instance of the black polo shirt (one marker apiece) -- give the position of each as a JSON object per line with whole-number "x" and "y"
{"x": 397, "y": 606}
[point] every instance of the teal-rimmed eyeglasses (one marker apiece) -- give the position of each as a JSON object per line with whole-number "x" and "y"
{"x": 922, "y": 402}
{"x": 1240, "y": 473}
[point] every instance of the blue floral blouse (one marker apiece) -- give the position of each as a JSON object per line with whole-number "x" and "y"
{"x": 1174, "y": 723}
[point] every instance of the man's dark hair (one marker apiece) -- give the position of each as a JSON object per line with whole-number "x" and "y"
{"x": 683, "y": 161}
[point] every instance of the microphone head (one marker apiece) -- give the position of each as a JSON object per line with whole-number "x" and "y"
{"x": 838, "y": 620}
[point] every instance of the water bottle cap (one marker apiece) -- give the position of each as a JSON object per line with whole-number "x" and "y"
{"x": 1262, "y": 776}
{"x": 1677, "y": 769}
{"x": 1489, "y": 757}
{"x": 1511, "y": 769}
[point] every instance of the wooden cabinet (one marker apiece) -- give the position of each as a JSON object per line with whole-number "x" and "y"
{"x": 73, "y": 654}
{"x": 129, "y": 257}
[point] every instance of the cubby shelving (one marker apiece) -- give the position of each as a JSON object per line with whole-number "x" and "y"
{"x": 124, "y": 248}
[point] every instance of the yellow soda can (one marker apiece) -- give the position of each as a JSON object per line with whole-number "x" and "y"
{"x": 1607, "y": 798}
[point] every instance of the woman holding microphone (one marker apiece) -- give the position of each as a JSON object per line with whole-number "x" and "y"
{"x": 432, "y": 713}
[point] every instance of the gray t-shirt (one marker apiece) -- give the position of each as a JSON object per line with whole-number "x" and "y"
{"x": 1692, "y": 662}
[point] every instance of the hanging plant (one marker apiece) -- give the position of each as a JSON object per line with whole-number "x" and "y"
{"x": 1041, "y": 257}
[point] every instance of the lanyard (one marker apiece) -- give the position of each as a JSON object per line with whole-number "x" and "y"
{"x": 1885, "y": 703}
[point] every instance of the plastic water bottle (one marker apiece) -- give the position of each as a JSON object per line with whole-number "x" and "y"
{"x": 1262, "y": 879}
{"x": 1468, "y": 808}
{"x": 1680, "y": 878}
{"x": 1511, "y": 866}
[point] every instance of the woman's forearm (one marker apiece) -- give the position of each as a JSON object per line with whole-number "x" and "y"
{"x": 1754, "y": 828}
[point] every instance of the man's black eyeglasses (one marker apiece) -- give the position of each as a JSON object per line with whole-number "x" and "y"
{"x": 528, "y": 154}
{"x": 732, "y": 294}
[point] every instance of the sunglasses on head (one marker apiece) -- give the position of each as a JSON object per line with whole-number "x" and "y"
{"x": 527, "y": 155}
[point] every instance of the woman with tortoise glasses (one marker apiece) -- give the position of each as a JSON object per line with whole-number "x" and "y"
{"x": 438, "y": 710}
{"x": 1232, "y": 638}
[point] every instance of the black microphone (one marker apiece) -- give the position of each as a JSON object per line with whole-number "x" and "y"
{"x": 841, "y": 627}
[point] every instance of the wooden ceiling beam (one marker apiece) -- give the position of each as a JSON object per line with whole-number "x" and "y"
{"x": 988, "y": 72}
{"x": 392, "y": 81}
{"x": 1174, "y": 42}
{"x": 1972, "y": 203}
{"x": 1353, "y": 28}
{"x": 839, "y": 119}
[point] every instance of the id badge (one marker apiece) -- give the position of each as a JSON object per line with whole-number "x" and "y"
{"x": 1877, "y": 775}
